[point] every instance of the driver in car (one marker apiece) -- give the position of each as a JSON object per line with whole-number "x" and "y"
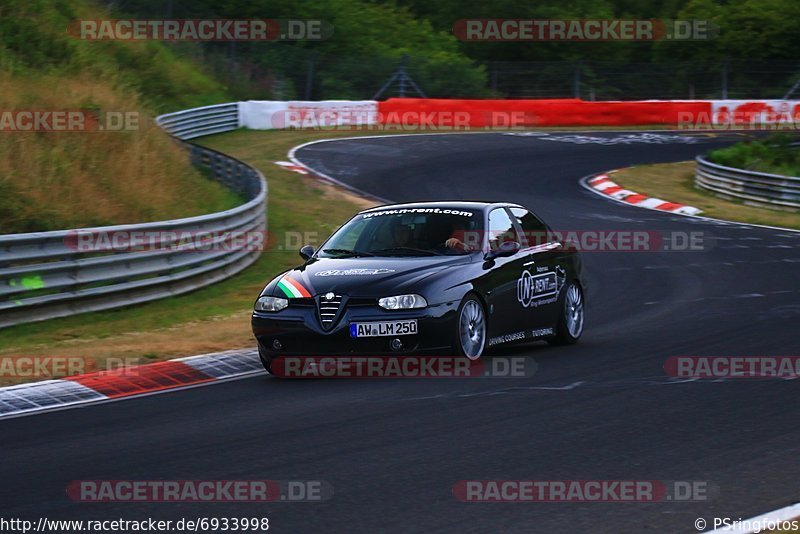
{"x": 460, "y": 238}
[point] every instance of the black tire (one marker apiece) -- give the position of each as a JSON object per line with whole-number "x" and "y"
{"x": 568, "y": 332}
{"x": 266, "y": 359}
{"x": 470, "y": 310}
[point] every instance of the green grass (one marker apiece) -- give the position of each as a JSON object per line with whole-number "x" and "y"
{"x": 58, "y": 180}
{"x": 295, "y": 204}
{"x": 674, "y": 182}
{"x": 772, "y": 155}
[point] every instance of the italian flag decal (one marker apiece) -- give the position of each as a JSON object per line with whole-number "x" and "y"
{"x": 292, "y": 288}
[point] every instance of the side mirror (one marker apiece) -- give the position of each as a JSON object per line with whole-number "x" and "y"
{"x": 505, "y": 250}
{"x": 307, "y": 251}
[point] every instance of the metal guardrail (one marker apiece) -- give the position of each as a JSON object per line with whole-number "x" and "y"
{"x": 48, "y": 274}
{"x": 756, "y": 187}
{"x": 196, "y": 122}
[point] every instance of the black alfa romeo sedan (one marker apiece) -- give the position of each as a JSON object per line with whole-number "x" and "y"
{"x": 448, "y": 277}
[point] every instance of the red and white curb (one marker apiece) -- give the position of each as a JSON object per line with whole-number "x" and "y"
{"x": 147, "y": 379}
{"x": 602, "y": 184}
{"x": 294, "y": 167}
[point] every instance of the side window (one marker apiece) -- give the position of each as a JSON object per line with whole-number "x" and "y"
{"x": 534, "y": 231}
{"x": 501, "y": 229}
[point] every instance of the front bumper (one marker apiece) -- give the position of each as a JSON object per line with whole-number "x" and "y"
{"x": 299, "y": 332}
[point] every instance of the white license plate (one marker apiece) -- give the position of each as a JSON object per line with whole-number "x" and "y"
{"x": 384, "y": 328}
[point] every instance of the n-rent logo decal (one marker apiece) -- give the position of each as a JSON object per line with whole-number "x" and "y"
{"x": 535, "y": 290}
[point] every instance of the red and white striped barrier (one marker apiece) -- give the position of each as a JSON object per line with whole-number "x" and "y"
{"x": 604, "y": 185}
{"x": 430, "y": 113}
{"x": 688, "y": 114}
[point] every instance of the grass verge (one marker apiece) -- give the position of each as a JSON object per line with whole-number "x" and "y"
{"x": 775, "y": 154}
{"x": 674, "y": 182}
{"x": 56, "y": 180}
{"x": 216, "y": 317}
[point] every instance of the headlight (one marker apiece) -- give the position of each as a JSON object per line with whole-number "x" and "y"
{"x": 402, "y": 302}
{"x": 271, "y": 304}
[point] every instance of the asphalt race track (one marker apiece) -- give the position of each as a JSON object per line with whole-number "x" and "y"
{"x": 393, "y": 449}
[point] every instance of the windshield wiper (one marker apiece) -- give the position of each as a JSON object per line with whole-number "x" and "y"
{"x": 346, "y": 252}
{"x": 392, "y": 250}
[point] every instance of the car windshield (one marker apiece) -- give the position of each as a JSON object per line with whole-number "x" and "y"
{"x": 407, "y": 232}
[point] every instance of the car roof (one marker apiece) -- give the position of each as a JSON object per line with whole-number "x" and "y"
{"x": 457, "y": 204}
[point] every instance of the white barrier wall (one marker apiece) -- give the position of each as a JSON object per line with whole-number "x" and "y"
{"x": 274, "y": 115}
{"x": 755, "y": 111}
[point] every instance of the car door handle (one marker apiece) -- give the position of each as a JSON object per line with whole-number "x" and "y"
{"x": 526, "y": 264}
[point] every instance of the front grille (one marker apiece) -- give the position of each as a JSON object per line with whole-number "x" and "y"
{"x": 328, "y": 309}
